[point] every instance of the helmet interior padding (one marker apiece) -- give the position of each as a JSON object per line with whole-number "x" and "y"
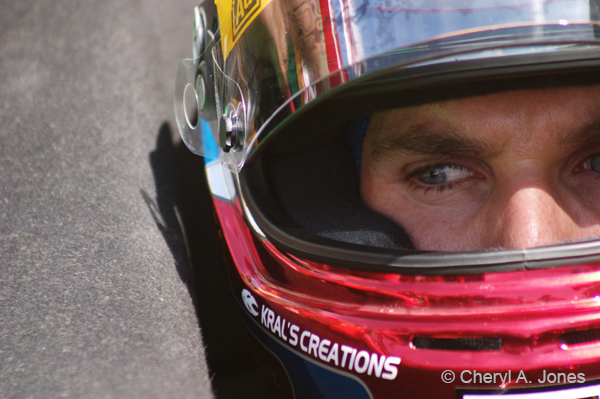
{"x": 319, "y": 189}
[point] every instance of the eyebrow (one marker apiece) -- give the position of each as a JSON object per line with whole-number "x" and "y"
{"x": 589, "y": 133}
{"x": 423, "y": 139}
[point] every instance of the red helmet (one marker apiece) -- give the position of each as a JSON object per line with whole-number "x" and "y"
{"x": 337, "y": 295}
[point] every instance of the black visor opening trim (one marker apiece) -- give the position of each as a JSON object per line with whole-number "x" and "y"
{"x": 439, "y": 82}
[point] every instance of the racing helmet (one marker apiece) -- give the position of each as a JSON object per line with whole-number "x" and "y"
{"x": 277, "y": 98}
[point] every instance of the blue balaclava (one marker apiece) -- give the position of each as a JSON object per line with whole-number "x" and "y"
{"x": 356, "y": 134}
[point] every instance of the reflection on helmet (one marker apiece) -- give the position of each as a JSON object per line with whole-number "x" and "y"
{"x": 274, "y": 58}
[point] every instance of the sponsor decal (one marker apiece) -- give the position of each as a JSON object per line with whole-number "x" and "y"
{"x": 234, "y": 17}
{"x": 323, "y": 349}
{"x": 243, "y": 11}
{"x": 250, "y": 302}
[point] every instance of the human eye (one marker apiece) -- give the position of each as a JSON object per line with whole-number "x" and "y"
{"x": 444, "y": 175}
{"x": 592, "y": 163}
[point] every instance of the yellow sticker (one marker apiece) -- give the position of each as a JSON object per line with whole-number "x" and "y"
{"x": 235, "y": 16}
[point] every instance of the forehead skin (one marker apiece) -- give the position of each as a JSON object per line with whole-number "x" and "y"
{"x": 483, "y": 125}
{"x": 520, "y": 142}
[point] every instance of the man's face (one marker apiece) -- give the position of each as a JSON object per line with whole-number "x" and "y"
{"x": 511, "y": 170}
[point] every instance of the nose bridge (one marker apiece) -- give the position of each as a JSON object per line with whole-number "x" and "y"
{"x": 532, "y": 216}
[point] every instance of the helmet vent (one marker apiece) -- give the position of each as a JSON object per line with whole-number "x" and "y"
{"x": 581, "y": 337}
{"x": 458, "y": 344}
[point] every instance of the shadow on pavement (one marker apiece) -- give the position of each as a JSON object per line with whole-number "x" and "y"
{"x": 182, "y": 211}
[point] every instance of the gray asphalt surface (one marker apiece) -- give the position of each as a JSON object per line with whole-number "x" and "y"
{"x": 110, "y": 280}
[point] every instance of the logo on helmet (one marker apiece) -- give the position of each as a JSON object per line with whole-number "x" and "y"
{"x": 250, "y": 302}
{"x": 243, "y": 13}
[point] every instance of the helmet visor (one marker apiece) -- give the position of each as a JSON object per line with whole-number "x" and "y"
{"x": 271, "y": 59}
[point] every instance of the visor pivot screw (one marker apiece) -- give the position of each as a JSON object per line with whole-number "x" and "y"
{"x": 228, "y": 132}
{"x": 201, "y": 92}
